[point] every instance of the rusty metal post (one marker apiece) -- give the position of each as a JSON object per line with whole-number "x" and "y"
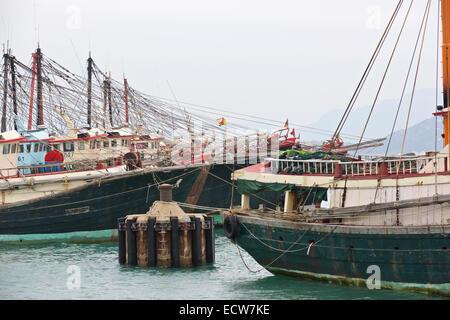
{"x": 174, "y": 243}
{"x": 122, "y": 244}
{"x": 210, "y": 247}
{"x": 131, "y": 243}
{"x": 151, "y": 242}
{"x": 197, "y": 242}
{"x": 163, "y": 245}
{"x": 185, "y": 245}
{"x": 165, "y": 192}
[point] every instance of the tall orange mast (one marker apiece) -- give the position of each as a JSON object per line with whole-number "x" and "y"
{"x": 445, "y": 15}
{"x": 33, "y": 75}
{"x": 445, "y": 7}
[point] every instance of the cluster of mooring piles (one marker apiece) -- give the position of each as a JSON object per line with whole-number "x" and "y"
{"x": 166, "y": 236}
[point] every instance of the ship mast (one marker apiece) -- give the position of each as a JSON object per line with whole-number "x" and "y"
{"x": 445, "y": 113}
{"x": 13, "y": 85}
{"x": 39, "y": 102}
{"x": 110, "y": 101}
{"x": 445, "y": 9}
{"x": 33, "y": 76}
{"x": 107, "y": 102}
{"x": 5, "y": 90}
{"x": 126, "y": 98}
{"x": 89, "y": 88}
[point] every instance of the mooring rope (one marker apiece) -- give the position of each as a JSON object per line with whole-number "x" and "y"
{"x": 283, "y": 252}
{"x": 196, "y": 206}
{"x": 288, "y": 250}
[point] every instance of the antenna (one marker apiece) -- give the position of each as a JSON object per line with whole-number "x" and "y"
{"x": 36, "y": 28}
{"x": 89, "y": 43}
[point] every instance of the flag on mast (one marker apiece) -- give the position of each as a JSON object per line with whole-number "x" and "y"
{"x": 222, "y": 121}
{"x": 286, "y": 124}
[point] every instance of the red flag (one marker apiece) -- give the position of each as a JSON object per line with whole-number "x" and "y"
{"x": 293, "y": 132}
{"x": 222, "y": 121}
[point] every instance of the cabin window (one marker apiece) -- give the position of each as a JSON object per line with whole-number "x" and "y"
{"x": 97, "y": 144}
{"x": 114, "y": 143}
{"x": 105, "y": 144}
{"x": 49, "y": 148}
{"x": 68, "y": 146}
{"x": 142, "y": 146}
{"x": 28, "y": 147}
{"x": 153, "y": 145}
{"x": 81, "y": 145}
{"x": 92, "y": 145}
{"x": 123, "y": 142}
{"x": 56, "y": 147}
{"x": 6, "y": 148}
{"x": 21, "y": 149}
{"x": 36, "y": 147}
{"x": 41, "y": 146}
{"x": 13, "y": 148}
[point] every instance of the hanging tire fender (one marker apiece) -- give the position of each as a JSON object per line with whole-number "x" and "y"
{"x": 231, "y": 226}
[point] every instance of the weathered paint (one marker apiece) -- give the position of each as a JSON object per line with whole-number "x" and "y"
{"x": 97, "y": 205}
{"x": 442, "y": 289}
{"x": 412, "y": 258}
{"x": 109, "y": 235}
{"x": 197, "y": 187}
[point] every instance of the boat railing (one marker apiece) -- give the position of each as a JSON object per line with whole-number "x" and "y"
{"x": 58, "y": 167}
{"x": 416, "y": 165}
{"x": 313, "y": 166}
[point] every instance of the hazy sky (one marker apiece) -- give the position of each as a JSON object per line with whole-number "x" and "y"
{"x": 277, "y": 59}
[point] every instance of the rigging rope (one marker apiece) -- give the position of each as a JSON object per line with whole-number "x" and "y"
{"x": 365, "y": 74}
{"x": 384, "y": 77}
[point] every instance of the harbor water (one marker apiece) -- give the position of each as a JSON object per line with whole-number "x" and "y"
{"x": 91, "y": 271}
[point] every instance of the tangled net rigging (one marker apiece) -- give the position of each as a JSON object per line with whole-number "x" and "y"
{"x": 69, "y": 91}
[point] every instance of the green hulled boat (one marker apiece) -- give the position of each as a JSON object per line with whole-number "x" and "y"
{"x": 380, "y": 222}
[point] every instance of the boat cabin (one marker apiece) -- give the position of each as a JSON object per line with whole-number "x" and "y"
{"x": 93, "y": 144}
{"x": 147, "y": 146}
{"x": 9, "y": 146}
{"x": 33, "y": 148}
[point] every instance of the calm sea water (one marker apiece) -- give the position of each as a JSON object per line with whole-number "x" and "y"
{"x": 41, "y": 272}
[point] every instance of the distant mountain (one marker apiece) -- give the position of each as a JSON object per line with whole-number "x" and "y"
{"x": 382, "y": 118}
{"x": 419, "y": 138}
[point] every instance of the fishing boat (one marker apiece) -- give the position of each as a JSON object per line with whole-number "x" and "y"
{"x": 381, "y": 222}
{"x": 74, "y": 180}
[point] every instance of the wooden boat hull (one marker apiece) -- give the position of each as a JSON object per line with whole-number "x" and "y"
{"x": 96, "y": 205}
{"x": 412, "y": 258}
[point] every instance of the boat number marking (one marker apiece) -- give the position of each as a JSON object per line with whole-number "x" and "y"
{"x": 79, "y": 210}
